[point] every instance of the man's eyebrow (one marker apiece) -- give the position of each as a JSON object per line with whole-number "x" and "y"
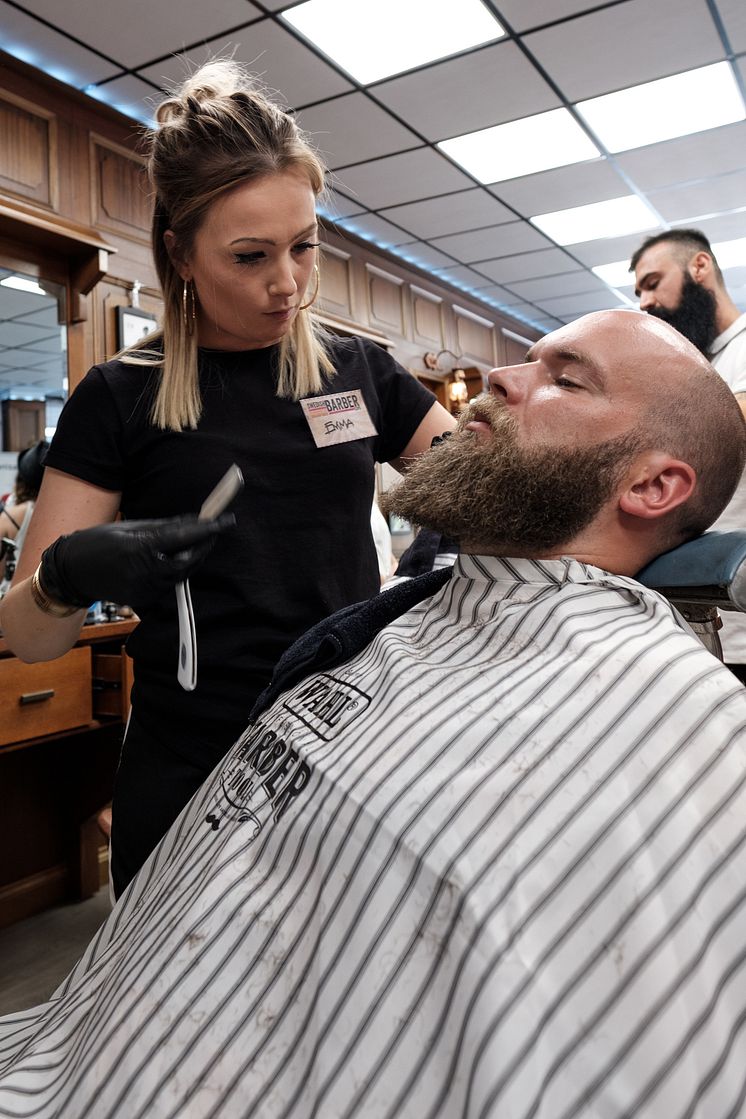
{"x": 588, "y": 364}
{"x": 643, "y": 281}
{"x": 268, "y": 241}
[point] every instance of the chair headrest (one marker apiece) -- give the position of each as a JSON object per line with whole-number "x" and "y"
{"x": 715, "y": 560}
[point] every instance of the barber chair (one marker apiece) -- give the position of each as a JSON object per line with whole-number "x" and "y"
{"x": 700, "y": 578}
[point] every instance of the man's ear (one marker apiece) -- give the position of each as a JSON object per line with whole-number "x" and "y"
{"x": 175, "y": 256}
{"x": 700, "y": 267}
{"x": 656, "y": 485}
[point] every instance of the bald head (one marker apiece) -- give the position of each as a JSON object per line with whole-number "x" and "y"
{"x": 678, "y": 405}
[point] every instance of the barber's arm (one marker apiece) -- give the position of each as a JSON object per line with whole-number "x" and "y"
{"x": 82, "y": 555}
{"x": 435, "y": 422}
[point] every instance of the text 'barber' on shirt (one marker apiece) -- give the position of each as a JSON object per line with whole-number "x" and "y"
{"x": 339, "y": 417}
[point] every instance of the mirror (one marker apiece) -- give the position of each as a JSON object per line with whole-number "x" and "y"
{"x": 33, "y": 357}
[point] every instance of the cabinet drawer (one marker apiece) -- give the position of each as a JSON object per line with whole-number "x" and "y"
{"x": 112, "y": 684}
{"x": 45, "y": 698}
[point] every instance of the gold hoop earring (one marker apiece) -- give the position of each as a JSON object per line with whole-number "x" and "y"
{"x": 314, "y": 297}
{"x": 188, "y": 306}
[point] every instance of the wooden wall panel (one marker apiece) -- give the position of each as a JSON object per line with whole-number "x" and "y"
{"x": 120, "y": 191}
{"x": 336, "y": 290}
{"x": 27, "y": 151}
{"x": 475, "y": 336}
{"x": 427, "y": 318}
{"x": 385, "y": 300}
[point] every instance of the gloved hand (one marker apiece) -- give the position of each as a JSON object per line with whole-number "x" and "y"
{"x": 130, "y": 562}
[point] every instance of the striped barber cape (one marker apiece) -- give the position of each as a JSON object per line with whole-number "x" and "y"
{"x": 494, "y": 865}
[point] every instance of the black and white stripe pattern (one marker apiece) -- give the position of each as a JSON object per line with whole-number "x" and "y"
{"x": 511, "y": 882}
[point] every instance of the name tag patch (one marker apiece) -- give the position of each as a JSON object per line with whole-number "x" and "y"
{"x": 339, "y": 417}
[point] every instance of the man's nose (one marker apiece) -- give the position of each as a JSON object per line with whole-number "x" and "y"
{"x": 647, "y": 300}
{"x": 511, "y": 382}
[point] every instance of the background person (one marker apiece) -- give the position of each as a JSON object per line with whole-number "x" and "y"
{"x": 480, "y": 858}
{"x": 679, "y": 281}
{"x": 15, "y": 515}
{"x": 240, "y": 373}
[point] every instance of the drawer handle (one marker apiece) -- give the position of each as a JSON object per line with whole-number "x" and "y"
{"x": 36, "y": 697}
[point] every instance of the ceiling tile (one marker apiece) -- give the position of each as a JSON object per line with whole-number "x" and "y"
{"x": 424, "y": 256}
{"x": 287, "y": 67}
{"x": 451, "y": 213}
{"x": 581, "y": 304}
{"x": 723, "y": 227}
{"x": 375, "y": 229}
{"x": 26, "y": 38}
{"x": 334, "y": 205}
{"x": 497, "y": 240}
{"x": 523, "y": 14}
{"x": 722, "y": 192}
{"x": 487, "y": 86}
{"x": 733, "y": 15}
{"x": 140, "y": 30}
{"x": 525, "y": 266}
{"x": 401, "y": 178}
{"x": 606, "y": 250}
{"x": 527, "y": 311}
{"x": 562, "y": 187}
{"x": 566, "y": 283}
{"x": 626, "y": 44}
{"x": 130, "y": 95}
{"x": 500, "y": 295}
{"x": 352, "y": 128}
{"x": 466, "y": 277}
{"x": 689, "y": 157}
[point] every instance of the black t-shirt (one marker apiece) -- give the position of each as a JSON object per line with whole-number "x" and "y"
{"x": 302, "y": 547}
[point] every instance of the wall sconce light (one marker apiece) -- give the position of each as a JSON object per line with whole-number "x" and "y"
{"x": 458, "y": 393}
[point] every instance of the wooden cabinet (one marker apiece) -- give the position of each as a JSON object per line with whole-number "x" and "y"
{"x": 61, "y": 729}
{"x": 46, "y": 698}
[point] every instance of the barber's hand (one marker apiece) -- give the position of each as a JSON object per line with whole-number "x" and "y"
{"x": 131, "y": 562}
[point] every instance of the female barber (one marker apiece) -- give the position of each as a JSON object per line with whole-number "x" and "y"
{"x": 240, "y": 372}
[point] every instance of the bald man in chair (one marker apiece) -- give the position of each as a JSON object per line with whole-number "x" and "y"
{"x": 482, "y": 848}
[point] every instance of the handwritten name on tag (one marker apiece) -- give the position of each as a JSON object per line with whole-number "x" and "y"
{"x": 339, "y": 417}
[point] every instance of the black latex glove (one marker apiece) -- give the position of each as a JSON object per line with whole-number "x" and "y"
{"x": 130, "y": 562}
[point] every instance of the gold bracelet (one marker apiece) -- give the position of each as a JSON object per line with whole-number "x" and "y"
{"x": 49, "y": 605}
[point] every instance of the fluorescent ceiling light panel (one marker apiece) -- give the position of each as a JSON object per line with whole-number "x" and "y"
{"x": 677, "y": 106}
{"x": 731, "y": 254}
{"x": 617, "y": 275}
{"x": 614, "y": 218}
{"x": 21, "y": 283}
{"x": 373, "y": 41}
{"x": 521, "y": 147}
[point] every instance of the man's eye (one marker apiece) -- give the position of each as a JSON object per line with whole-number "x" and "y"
{"x": 566, "y": 383}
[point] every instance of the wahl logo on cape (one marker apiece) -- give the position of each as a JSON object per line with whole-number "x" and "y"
{"x": 327, "y": 705}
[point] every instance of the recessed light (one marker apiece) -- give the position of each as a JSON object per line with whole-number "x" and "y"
{"x": 616, "y": 274}
{"x": 521, "y": 147}
{"x": 677, "y": 106}
{"x": 22, "y": 283}
{"x": 373, "y": 41}
{"x": 613, "y": 218}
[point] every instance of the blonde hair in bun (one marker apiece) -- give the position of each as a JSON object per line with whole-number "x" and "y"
{"x": 218, "y": 129}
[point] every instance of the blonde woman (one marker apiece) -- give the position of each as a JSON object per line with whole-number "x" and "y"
{"x": 239, "y": 373}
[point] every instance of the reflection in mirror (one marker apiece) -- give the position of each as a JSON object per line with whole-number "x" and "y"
{"x": 33, "y": 358}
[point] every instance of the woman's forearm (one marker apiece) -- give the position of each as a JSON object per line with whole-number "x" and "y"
{"x": 30, "y": 633}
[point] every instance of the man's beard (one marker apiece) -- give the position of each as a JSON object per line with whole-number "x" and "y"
{"x": 695, "y": 315}
{"x": 499, "y": 497}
